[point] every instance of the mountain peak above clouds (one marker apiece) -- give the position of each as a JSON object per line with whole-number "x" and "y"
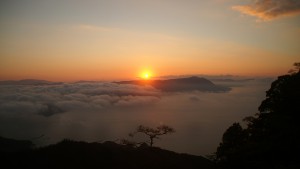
{"x": 192, "y": 83}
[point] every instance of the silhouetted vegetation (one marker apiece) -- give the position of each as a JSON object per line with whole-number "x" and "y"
{"x": 152, "y": 133}
{"x": 108, "y": 155}
{"x": 271, "y": 138}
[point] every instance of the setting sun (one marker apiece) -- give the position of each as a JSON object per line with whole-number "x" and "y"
{"x": 82, "y": 74}
{"x": 146, "y": 75}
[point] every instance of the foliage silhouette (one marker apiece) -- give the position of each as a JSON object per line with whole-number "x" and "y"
{"x": 232, "y": 139}
{"x": 153, "y": 133}
{"x": 271, "y": 138}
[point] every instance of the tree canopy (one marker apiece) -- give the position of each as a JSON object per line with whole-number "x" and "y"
{"x": 153, "y": 133}
{"x": 271, "y": 138}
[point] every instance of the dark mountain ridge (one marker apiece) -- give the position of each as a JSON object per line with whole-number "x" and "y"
{"x": 33, "y": 82}
{"x": 180, "y": 84}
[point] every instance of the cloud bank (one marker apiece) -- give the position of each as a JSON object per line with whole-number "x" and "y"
{"x": 54, "y": 99}
{"x": 109, "y": 111}
{"x": 270, "y": 9}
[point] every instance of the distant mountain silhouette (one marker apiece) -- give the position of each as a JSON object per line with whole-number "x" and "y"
{"x": 108, "y": 155}
{"x": 233, "y": 80}
{"x": 181, "y": 84}
{"x": 87, "y": 81}
{"x": 28, "y": 82}
{"x": 12, "y": 145}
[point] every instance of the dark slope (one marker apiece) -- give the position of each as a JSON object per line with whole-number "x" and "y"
{"x": 12, "y": 145}
{"x": 108, "y": 155}
{"x": 181, "y": 84}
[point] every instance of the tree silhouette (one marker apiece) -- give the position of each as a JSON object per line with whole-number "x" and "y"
{"x": 271, "y": 138}
{"x": 232, "y": 139}
{"x": 296, "y": 69}
{"x": 153, "y": 133}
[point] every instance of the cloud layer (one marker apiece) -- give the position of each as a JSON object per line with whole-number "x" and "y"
{"x": 54, "y": 99}
{"x": 270, "y": 9}
{"x": 108, "y": 111}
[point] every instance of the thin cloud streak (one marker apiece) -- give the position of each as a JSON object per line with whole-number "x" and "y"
{"x": 133, "y": 33}
{"x": 266, "y": 10}
{"x": 94, "y": 28}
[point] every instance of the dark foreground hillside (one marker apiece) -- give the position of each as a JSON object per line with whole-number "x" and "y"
{"x": 73, "y": 154}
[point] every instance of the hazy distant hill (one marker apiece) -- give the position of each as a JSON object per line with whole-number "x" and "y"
{"x": 181, "y": 84}
{"x": 108, "y": 155}
{"x": 28, "y": 82}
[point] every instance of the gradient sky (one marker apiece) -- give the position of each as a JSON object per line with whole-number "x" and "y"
{"x": 68, "y": 40}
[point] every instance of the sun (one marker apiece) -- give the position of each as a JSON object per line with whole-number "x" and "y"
{"x": 146, "y": 75}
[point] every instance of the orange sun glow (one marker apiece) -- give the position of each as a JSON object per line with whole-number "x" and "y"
{"x": 146, "y": 75}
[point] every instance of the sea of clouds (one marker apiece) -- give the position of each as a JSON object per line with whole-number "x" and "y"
{"x": 102, "y": 111}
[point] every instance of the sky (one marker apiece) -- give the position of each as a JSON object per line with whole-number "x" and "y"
{"x": 70, "y": 40}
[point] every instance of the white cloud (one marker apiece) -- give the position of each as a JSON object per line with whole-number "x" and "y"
{"x": 106, "y": 111}
{"x": 53, "y": 99}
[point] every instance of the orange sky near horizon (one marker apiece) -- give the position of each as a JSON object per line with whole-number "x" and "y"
{"x": 115, "y": 40}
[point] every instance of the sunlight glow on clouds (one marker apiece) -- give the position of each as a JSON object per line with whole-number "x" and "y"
{"x": 112, "y": 40}
{"x": 270, "y": 9}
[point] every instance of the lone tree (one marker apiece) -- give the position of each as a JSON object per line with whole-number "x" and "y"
{"x": 153, "y": 133}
